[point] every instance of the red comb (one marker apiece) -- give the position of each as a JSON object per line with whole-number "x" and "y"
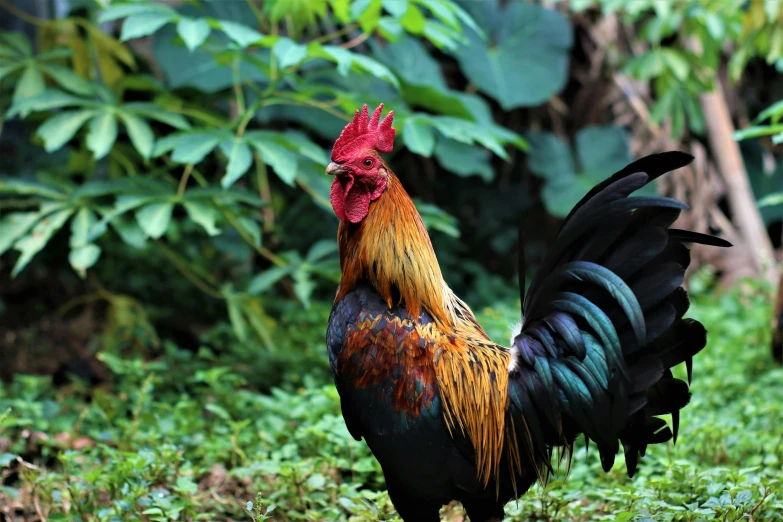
{"x": 364, "y": 133}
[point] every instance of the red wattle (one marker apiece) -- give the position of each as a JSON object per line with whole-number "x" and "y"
{"x": 351, "y": 197}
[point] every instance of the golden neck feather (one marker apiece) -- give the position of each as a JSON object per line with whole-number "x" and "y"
{"x": 391, "y": 248}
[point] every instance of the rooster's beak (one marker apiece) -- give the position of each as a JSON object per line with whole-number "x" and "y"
{"x": 335, "y": 169}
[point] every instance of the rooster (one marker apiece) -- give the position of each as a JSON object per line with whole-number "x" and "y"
{"x": 449, "y": 414}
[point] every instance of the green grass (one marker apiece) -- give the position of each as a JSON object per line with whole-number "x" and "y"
{"x": 189, "y": 436}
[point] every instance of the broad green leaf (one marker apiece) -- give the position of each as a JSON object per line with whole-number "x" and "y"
{"x": 549, "y": 156}
{"x": 13, "y": 226}
{"x": 19, "y": 42}
{"x": 442, "y": 36}
{"x": 414, "y": 20}
{"x": 602, "y": 150}
{"x": 84, "y": 257}
{"x": 528, "y": 62}
{"x": 200, "y": 69}
{"x": 306, "y": 147}
{"x": 303, "y": 286}
{"x": 144, "y": 24}
{"x": 773, "y": 112}
{"x": 771, "y": 200}
{"x": 194, "y": 147}
{"x": 250, "y": 227}
{"x": 223, "y": 196}
{"x": 435, "y": 218}
{"x": 41, "y": 233}
{"x": 239, "y": 160}
{"x": 69, "y": 80}
{"x": 115, "y": 12}
{"x": 390, "y": 29}
{"x": 29, "y": 85}
{"x": 156, "y": 112}
{"x": 154, "y": 218}
{"x": 756, "y": 131}
{"x": 348, "y": 61}
{"x": 124, "y": 203}
{"x": 443, "y": 11}
{"x": 58, "y": 130}
{"x": 5, "y": 70}
{"x": 320, "y": 250}
{"x": 396, "y": 8}
{"x": 140, "y": 133}
{"x": 463, "y": 161}
{"x": 359, "y": 7}
{"x": 102, "y": 134}
{"x": 241, "y": 34}
{"x": 204, "y": 215}
{"x": 129, "y": 231}
{"x": 25, "y": 187}
{"x": 280, "y": 158}
{"x": 194, "y": 31}
{"x": 289, "y": 52}
{"x": 422, "y": 82}
{"x": 47, "y": 100}
{"x": 266, "y": 279}
{"x": 418, "y": 137}
{"x": 310, "y": 177}
{"x": 677, "y": 63}
{"x": 81, "y": 224}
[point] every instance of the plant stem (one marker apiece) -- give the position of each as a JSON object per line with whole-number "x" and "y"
{"x": 238, "y": 94}
{"x": 331, "y": 36}
{"x": 265, "y": 193}
{"x": 181, "y": 265}
{"x": 263, "y": 251}
{"x": 356, "y": 41}
{"x": 183, "y": 181}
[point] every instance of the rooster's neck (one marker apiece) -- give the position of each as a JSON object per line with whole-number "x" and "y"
{"x": 391, "y": 249}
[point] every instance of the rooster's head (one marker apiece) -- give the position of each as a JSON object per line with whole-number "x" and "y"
{"x": 360, "y": 174}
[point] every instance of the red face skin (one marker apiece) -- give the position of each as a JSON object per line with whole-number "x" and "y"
{"x": 358, "y": 181}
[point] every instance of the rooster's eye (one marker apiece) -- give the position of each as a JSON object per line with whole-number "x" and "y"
{"x": 367, "y": 163}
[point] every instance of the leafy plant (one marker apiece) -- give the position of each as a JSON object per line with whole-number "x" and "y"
{"x": 599, "y": 151}
{"x": 246, "y": 93}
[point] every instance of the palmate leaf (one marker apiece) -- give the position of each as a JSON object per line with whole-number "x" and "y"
{"x": 144, "y": 24}
{"x": 47, "y": 100}
{"x": 276, "y": 152}
{"x": 102, "y": 134}
{"x": 15, "y": 225}
{"x": 288, "y": 52}
{"x": 240, "y": 34}
{"x": 58, "y": 130}
{"x": 191, "y": 146}
{"x": 203, "y": 214}
{"x": 140, "y": 133}
{"x": 30, "y": 85}
{"x": 348, "y": 61}
{"x": 154, "y": 218}
{"x": 239, "y": 160}
{"x": 32, "y": 243}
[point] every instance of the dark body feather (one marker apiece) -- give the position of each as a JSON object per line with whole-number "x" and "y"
{"x": 603, "y": 326}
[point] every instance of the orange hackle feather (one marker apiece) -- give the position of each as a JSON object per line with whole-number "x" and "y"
{"x": 391, "y": 248}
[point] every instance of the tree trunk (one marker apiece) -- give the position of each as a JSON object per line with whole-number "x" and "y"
{"x": 728, "y": 158}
